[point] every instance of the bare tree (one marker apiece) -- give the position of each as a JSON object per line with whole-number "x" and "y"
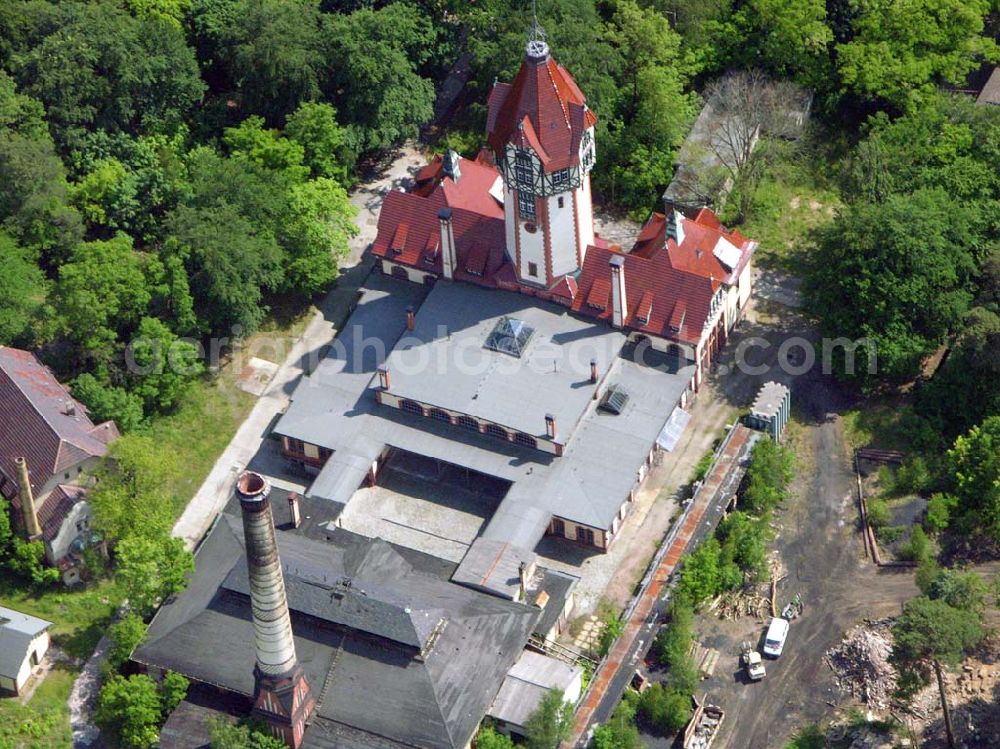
{"x": 742, "y": 108}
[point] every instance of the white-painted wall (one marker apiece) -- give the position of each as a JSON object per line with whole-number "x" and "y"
{"x": 563, "y": 233}
{"x": 59, "y": 547}
{"x": 532, "y": 247}
{"x": 39, "y": 646}
{"x": 585, "y": 216}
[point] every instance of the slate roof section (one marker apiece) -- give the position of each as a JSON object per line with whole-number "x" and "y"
{"x": 42, "y": 422}
{"x": 379, "y": 693}
{"x": 543, "y": 109}
{"x": 17, "y": 630}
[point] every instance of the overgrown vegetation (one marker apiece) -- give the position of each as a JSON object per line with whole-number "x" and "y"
{"x": 737, "y": 553}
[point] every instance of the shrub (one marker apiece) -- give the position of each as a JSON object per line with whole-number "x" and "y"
{"x": 913, "y": 477}
{"x": 939, "y": 510}
{"x": 613, "y": 628}
{"x": 878, "y": 514}
{"x": 666, "y": 709}
{"x": 700, "y": 576}
{"x": 124, "y": 635}
{"x": 918, "y": 548}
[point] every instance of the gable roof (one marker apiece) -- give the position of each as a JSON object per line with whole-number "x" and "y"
{"x": 42, "y": 422}
{"x": 17, "y": 630}
{"x": 543, "y": 109}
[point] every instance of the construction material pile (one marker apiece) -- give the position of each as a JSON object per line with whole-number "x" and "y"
{"x": 739, "y": 603}
{"x": 861, "y": 663}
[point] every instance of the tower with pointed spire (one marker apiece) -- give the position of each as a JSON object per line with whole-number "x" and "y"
{"x": 282, "y": 697}
{"x": 541, "y": 133}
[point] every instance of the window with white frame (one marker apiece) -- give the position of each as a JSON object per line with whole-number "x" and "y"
{"x": 526, "y": 205}
{"x": 560, "y": 178}
{"x": 524, "y": 169}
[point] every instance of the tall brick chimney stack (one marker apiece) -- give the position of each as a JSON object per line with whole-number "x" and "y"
{"x": 26, "y": 499}
{"x": 282, "y": 697}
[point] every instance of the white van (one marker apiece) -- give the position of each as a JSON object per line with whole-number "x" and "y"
{"x": 774, "y": 640}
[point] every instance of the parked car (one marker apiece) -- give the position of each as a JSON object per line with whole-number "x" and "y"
{"x": 774, "y": 640}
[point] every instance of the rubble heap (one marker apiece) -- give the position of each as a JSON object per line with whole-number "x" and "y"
{"x": 861, "y": 663}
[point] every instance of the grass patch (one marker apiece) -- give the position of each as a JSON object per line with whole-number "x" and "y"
{"x": 192, "y": 438}
{"x": 798, "y": 194}
{"x": 44, "y": 721}
{"x": 884, "y": 423}
{"x": 79, "y": 615}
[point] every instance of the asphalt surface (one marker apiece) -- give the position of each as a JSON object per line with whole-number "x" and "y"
{"x": 822, "y": 550}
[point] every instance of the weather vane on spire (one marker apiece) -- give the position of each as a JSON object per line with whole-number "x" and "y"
{"x": 537, "y": 46}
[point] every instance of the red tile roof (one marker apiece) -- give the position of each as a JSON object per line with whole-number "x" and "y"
{"x": 544, "y": 109}
{"x": 42, "y": 422}
{"x": 696, "y": 253}
{"x": 652, "y": 286}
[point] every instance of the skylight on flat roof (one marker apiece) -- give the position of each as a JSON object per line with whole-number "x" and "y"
{"x": 614, "y": 400}
{"x": 509, "y": 336}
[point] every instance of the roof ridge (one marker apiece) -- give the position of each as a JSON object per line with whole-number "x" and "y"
{"x": 559, "y": 98}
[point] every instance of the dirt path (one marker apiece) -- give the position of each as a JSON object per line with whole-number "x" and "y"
{"x": 824, "y": 556}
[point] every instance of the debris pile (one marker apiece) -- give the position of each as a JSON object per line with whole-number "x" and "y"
{"x": 740, "y": 603}
{"x": 861, "y": 663}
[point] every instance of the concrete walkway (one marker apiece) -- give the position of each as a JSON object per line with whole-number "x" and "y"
{"x": 303, "y": 354}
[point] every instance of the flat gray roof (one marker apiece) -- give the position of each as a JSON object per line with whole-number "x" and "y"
{"x": 336, "y": 408}
{"x": 443, "y": 361}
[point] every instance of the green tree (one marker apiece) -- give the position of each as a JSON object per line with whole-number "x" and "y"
{"x": 375, "y": 80}
{"x": 102, "y": 293}
{"x": 619, "y": 731}
{"x": 34, "y": 204}
{"x": 130, "y": 497}
{"x": 744, "y": 543}
{"x": 901, "y": 48}
{"x": 701, "y": 577}
{"x": 171, "y": 11}
{"x": 23, "y": 289}
{"x": 101, "y": 68}
{"x": 907, "y": 266}
{"x": 246, "y": 735}
{"x": 161, "y": 366}
{"x": 488, "y": 737}
{"x": 928, "y": 636}
{"x": 314, "y": 126}
{"x": 789, "y": 38}
{"x": 124, "y": 636}
{"x": 668, "y": 710}
{"x": 269, "y": 51}
{"x": 173, "y": 689}
{"x": 316, "y": 235}
{"x": 961, "y": 590}
{"x": 130, "y": 709}
{"x": 550, "y": 723}
{"x": 974, "y": 468}
{"x": 151, "y": 568}
{"x": 108, "y": 402}
{"x": 229, "y": 273}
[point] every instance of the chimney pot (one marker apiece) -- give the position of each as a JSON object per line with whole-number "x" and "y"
{"x": 550, "y": 426}
{"x": 448, "y": 250}
{"x": 619, "y": 305}
{"x": 409, "y": 318}
{"x": 293, "y": 507}
{"x": 384, "y": 380}
{"x": 593, "y": 371}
